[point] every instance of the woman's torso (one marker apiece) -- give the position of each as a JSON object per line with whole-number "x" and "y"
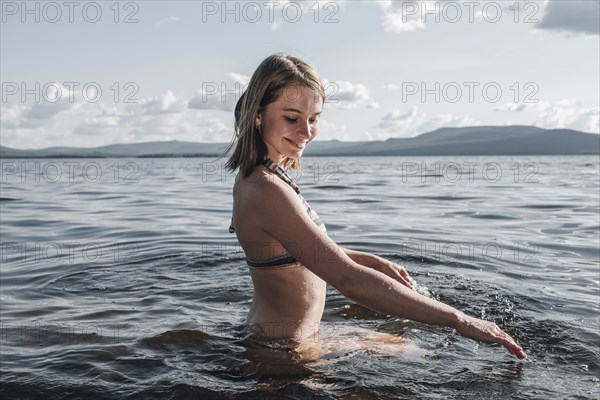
{"x": 288, "y": 298}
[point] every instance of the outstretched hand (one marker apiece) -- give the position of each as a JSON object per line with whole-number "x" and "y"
{"x": 394, "y": 271}
{"x": 488, "y": 332}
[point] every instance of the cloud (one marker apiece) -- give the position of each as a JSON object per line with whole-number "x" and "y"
{"x": 152, "y": 116}
{"x": 166, "y": 103}
{"x": 411, "y": 15}
{"x": 329, "y": 130}
{"x": 45, "y": 111}
{"x": 211, "y": 127}
{"x": 107, "y": 122}
{"x": 398, "y": 123}
{"x": 566, "y": 114}
{"x": 163, "y": 117}
{"x": 57, "y": 99}
{"x": 511, "y": 107}
{"x": 12, "y": 116}
{"x": 390, "y": 87}
{"x": 224, "y": 95}
{"x": 588, "y": 119}
{"x": 239, "y": 78}
{"x": 347, "y": 95}
{"x": 170, "y": 20}
{"x": 397, "y": 115}
{"x": 275, "y": 25}
{"x": 163, "y": 127}
{"x": 220, "y": 95}
{"x": 398, "y": 17}
{"x": 209, "y": 100}
{"x": 574, "y": 16}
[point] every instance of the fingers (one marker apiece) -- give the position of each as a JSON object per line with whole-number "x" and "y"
{"x": 489, "y": 332}
{"x": 403, "y": 276}
{"x": 398, "y": 273}
{"x": 517, "y": 351}
{"x": 404, "y": 273}
{"x": 404, "y": 279}
{"x": 508, "y": 342}
{"x": 522, "y": 355}
{"x": 514, "y": 348}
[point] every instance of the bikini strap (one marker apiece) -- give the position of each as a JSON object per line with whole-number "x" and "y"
{"x": 281, "y": 173}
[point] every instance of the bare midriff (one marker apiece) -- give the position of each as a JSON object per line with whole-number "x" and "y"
{"x": 289, "y": 299}
{"x": 288, "y": 302}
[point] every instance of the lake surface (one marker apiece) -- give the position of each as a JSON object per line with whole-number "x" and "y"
{"x": 119, "y": 279}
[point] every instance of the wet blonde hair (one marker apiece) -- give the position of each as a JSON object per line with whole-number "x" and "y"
{"x": 272, "y": 76}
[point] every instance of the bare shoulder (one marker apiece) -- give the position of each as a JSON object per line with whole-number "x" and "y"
{"x": 279, "y": 213}
{"x": 262, "y": 189}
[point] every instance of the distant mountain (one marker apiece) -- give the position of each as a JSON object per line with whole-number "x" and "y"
{"x": 173, "y": 148}
{"x": 476, "y": 140}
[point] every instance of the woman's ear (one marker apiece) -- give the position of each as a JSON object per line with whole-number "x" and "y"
{"x": 257, "y": 120}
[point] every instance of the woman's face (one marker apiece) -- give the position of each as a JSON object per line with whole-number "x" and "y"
{"x": 291, "y": 122}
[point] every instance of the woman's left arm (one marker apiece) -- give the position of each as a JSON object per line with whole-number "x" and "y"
{"x": 380, "y": 264}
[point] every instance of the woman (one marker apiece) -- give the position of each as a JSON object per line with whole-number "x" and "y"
{"x": 290, "y": 255}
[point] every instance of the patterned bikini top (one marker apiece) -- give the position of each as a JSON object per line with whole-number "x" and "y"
{"x": 280, "y": 172}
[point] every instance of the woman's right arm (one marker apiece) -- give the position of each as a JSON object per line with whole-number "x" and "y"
{"x": 285, "y": 219}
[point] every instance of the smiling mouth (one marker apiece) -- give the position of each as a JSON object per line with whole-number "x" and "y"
{"x": 296, "y": 144}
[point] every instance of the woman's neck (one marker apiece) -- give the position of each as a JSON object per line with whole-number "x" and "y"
{"x": 277, "y": 159}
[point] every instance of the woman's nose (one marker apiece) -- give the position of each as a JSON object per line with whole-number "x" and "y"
{"x": 305, "y": 129}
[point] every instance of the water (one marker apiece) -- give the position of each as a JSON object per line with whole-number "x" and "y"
{"x": 120, "y": 280}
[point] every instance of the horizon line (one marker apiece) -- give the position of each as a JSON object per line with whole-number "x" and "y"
{"x": 316, "y": 140}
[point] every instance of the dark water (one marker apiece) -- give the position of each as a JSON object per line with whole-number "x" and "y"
{"x": 119, "y": 279}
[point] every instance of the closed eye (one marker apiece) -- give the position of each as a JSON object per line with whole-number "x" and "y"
{"x": 291, "y": 119}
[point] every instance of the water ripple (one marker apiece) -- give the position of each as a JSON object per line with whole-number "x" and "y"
{"x": 137, "y": 290}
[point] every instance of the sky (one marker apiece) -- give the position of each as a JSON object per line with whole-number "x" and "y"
{"x": 89, "y": 74}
